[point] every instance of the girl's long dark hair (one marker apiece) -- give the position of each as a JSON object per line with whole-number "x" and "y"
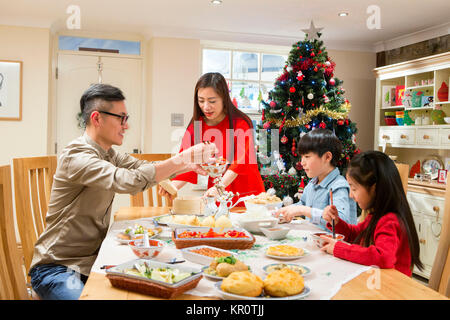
{"x": 375, "y": 167}
{"x": 216, "y": 81}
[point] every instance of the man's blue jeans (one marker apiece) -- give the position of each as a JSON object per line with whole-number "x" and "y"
{"x": 57, "y": 282}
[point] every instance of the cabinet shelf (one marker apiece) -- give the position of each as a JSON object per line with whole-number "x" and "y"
{"x": 418, "y": 87}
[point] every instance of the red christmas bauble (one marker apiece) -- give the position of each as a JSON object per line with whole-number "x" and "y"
{"x": 292, "y": 89}
{"x": 312, "y": 54}
{"x": 346, "y": 122}
{"x": 273, "y": 104}
{"x": 322, "y": 125}
{"x": 315, "y": 69}
{"x": 289, "y": 103}
{"x": 332, "y": 81}
{"x": 340, "y": 122}
{"x": 284, "y": 139}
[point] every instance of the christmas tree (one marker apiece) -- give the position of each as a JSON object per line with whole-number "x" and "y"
{"x": 305, "y": 96}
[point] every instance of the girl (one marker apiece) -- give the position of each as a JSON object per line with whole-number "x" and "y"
{"x": 387, "y": 237}
{"x": 216, "y": 119}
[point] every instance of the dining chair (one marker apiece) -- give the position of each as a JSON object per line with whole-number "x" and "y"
{"x": 156, "y": 200}
{"x": 440, "y": 273}
{"x": 403, "y": 170}
{"x": 33, "y": 179}
{"x": 12, "y": 275}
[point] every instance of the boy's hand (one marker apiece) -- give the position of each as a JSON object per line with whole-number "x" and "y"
{"x": 330, "y": 213}
{"x": 329, "y": 245}
{"x": 288, "y": 213}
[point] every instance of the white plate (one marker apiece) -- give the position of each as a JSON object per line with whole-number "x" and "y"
{"x": 307, "y": 273}
{"x": 210, "y": 276}
{"x": 124, "y": 241}
{"x": 229, "y": 296}
{"x": 305, "y": 253}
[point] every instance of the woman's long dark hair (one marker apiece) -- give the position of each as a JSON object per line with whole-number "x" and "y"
{"x": 216, "y": 81}
{"x": 375, "y": 167}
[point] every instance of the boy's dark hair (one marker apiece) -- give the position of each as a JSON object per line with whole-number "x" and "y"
{"x": 321, "y": 141}
{"x": 376, "y": 168}
{"x": 98, "y": 97}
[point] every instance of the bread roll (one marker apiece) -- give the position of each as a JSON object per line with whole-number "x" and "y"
{"x": 208, "y": 222}
{"x": 283, "y": 283}
{"x": 223, "y": 222}
{"x": 243, "y": 283}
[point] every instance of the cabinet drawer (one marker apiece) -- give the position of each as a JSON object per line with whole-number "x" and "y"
{"x": 444, "y": 136}
{"x": 428, "y": 136}
{"x": 405, "y": 136}
{"x": 386, "y": 136}
{"x": 428, "y": 205}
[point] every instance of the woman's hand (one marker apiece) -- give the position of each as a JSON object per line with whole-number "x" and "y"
{"x": 330, "y": 213}
{"x": 329, "y": 244}
{"x": 211, "y": 192}
{"x": 288, "y": 213}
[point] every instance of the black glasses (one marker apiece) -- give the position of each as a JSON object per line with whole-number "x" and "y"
{"x": 123, "y": 118}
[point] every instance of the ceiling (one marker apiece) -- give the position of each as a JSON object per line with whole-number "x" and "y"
{"x": 277, "y": 22}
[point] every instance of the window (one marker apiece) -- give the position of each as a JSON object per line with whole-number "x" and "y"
{"x": 104, "y": 45}
{"x": 250, "y": 75}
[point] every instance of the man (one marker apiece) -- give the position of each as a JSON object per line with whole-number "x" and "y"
{"x": 88, "y": 175}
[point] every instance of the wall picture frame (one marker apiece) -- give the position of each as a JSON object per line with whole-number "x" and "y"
{"x": 11, "y": 90}
{"x": 442, "y": 176}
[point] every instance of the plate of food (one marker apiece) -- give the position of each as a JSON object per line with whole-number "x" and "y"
{"x": 301, "y": 270}
{"x": 286, "y": 252}
{"x": 136, "y": 232}
{"x": 222, "y": 267}
{"x": 270, "y": 202}
{"x": 204, "y": 254}
{"x": 282, "y": 284}
{"x": 180, "y": 221}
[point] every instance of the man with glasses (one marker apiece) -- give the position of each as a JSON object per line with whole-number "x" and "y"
{"x": 89, "y": 173}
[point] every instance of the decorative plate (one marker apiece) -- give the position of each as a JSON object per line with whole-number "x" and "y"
{"x": 432, "y": 166}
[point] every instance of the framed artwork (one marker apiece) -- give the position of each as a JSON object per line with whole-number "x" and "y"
{"x": 388, "y": 96}
{"x": 10, "y": 90}
{"x": 442, "y": 178}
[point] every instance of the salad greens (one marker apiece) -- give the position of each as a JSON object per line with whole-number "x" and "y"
{"x": 229, "y": 259}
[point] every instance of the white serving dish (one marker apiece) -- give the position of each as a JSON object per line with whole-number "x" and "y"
{"x": 321, "y": 242}
{"x": 447, "y": 119}
{"x": 229, "y": 296}
{"x": 269, "y": 206}
{"x": 199, "y": 258}
{"x": 278, "y": 234}
{"x": 118, "y": 270}
{"x": 255, "y": 226}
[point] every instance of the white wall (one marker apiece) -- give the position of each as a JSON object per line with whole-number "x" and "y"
{"x": 27, "y": 137}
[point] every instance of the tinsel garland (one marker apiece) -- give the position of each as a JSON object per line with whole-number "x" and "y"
{"x": 307, "y": 117}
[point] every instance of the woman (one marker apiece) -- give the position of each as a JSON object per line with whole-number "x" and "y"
{"x": 216, "y": 119}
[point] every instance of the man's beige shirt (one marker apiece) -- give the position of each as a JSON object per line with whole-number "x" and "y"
{"x": 84, "y": 185}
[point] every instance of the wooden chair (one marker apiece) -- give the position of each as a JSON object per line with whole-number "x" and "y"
{"x": 153, "y": 201}
{"x": 440, "y": 273}
{"x": 403, "y": 170}
{"x": 33, "y": 179}
{"x": 12, "y": 276}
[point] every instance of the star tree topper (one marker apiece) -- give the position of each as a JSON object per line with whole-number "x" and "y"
{"x": 312, "y": 32}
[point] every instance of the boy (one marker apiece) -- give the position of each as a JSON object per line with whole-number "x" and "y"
{"x": 321, "y": 151}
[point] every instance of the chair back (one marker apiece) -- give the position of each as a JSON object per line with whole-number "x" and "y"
{"x": 33, "y": 179}
{"x": 440, "y": 273}
{"x": 12, "y": 276}
{"x": 403, "y": 170}
{"x": 152, "y": 196}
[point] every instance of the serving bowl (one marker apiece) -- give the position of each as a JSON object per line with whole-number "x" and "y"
{"x": 275, "y": 233}
{"x": 320, "y": 242}
{"x": 250, "y": 206}
{"x": 155, "y": 247}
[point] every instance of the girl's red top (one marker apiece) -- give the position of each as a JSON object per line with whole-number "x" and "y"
{"x": 390, "y": 248}
{"x": 248, "y": 180}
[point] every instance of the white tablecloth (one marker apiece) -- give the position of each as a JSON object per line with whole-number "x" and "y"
{"x": 327, "y": 277}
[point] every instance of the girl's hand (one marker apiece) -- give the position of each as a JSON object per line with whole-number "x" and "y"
{"x": 330, "y": 213}
{"x": 288, "y": 213}
{"x": 329, "y": 244}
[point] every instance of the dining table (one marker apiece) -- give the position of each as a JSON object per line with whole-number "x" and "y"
{"x": 351, "y": 281}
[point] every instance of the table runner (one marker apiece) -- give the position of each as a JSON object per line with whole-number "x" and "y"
{"x": 328, "y": 272}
